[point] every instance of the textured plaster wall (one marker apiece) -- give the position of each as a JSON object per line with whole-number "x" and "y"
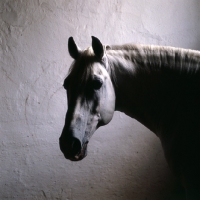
{"x": 125, "y": 160}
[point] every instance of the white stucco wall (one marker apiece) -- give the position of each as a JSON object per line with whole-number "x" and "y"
{"x": 125, "y": 160}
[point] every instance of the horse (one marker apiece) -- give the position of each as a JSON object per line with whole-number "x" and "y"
{"x": 159, "y": 86}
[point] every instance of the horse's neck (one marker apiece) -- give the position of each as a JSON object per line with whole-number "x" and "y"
{"x": 132, "y": 90}
{"x": 142, "y": 91}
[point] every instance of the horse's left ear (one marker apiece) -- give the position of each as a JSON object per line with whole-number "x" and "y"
{"x": 97, "y": 47}
{"x": 73, "y": 49}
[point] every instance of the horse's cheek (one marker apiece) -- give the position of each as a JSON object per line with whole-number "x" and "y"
{"x": 107, "y": 109}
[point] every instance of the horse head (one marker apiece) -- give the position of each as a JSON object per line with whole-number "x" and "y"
{"x": 91, "y": 98}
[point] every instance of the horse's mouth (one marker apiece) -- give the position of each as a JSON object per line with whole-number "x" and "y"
{"x": 82, "y": 154}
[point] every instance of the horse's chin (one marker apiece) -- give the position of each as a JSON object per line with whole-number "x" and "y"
{"x": 80, "y": 155}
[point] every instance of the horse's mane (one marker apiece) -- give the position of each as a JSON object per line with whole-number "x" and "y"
{"x": 152, "y": 57}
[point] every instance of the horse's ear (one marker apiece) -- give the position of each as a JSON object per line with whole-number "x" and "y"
{"x": 73, "y": 49}
{"x": 97, "y": 47}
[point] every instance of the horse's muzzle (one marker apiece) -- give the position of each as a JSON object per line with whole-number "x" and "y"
{"x": 72, "y": 148}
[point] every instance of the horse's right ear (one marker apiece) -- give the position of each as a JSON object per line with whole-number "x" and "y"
{"x": 73, "y": 49}
{"x": 97, "y": 47}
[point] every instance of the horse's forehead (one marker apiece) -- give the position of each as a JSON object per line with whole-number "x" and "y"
{"x": 97, "y": 68}
{"x": 82, "y": 72}
{"x": 88, "y": 67}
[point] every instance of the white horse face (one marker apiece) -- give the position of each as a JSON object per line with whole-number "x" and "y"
{"x": 91, "y": 102}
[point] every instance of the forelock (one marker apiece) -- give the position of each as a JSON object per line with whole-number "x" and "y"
{"x": 80, "y": 69}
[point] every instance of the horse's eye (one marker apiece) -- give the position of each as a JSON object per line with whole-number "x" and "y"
{"x": 96, "y": 84}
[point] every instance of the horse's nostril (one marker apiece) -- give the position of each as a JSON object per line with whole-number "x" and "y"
{"x": 76, "y": 146}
